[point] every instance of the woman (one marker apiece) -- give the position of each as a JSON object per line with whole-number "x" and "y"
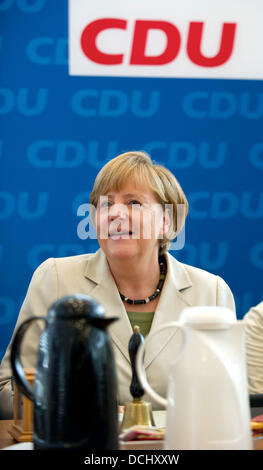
{"x": 131, "y": 274}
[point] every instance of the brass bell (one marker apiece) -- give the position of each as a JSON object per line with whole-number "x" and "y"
{"x": 137, "y": 412}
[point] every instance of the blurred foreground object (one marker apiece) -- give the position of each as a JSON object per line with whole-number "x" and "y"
{"x": 75, "y": 392}
{"x": 207, "y": 383}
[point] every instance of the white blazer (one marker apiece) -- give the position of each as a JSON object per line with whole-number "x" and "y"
{"x": 89, "y": 274}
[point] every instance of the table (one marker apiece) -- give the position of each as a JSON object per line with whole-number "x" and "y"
{"x": 7, "y": 440}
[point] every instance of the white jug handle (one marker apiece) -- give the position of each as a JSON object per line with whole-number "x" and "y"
{"x": 139, "y": 361}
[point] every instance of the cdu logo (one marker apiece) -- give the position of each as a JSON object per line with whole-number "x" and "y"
{"x": 26, "y": 6}
{"x": 69, "y": 153}
{"x": 24, "y": 100}
{"x": 174, "y": 40}
{"x": 115, "y": 103}
{"x": 222, "y": 105}
{"x": 23, "y": 204}
{"x": 140, "y": 38}
{"x": 47, "y": 51}
{"x": 225, "y": 205}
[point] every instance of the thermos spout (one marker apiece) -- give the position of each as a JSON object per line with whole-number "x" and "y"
{"x": 102, "y": 323}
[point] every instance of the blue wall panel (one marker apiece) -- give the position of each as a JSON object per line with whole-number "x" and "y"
{"x": 57, "y": 131}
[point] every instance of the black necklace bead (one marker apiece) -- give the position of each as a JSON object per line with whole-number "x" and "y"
{"x": 159, "y": 287}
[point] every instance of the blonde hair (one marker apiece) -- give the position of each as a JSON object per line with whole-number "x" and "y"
{"x": 138, "y": 167}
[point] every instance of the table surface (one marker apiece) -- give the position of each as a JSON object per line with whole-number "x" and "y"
{"x": 6, "y": 439}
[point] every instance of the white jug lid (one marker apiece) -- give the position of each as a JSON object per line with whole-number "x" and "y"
{"x": 208, "y": 318}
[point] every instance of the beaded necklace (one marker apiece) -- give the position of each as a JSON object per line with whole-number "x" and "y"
{"x": 162, "y": 264}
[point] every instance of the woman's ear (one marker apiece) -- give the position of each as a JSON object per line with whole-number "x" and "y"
{"x": 93, "y": 216}
{"x": 167, "y": 221}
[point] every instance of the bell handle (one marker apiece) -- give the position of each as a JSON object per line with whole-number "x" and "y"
{"x": 16, "y": 364}
{"x": 139, "y": 361}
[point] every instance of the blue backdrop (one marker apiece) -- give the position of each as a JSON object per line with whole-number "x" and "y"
{"x": 58, "y": 130}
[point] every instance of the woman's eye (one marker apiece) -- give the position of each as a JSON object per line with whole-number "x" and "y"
{"x": 134, "y": 202}
{"x": 105, "y": 204}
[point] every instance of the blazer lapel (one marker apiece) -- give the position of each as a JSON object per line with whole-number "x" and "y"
{"x": 172, "y": 302}
{"x": 105, "y": 291}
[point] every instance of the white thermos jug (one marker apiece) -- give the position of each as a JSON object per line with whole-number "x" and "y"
{"x": 207, "y": 399}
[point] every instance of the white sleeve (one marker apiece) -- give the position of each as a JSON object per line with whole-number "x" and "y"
{"x": 254, "y": 348}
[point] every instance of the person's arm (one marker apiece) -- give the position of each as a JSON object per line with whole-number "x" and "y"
{"x": 42, "y": 292}
{"x": 225, "y": 297}
{"x": 254, "y": 348}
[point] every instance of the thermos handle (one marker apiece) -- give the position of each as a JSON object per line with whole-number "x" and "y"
{"x": 16, "y": 364}
{"x": 139, "y": 362}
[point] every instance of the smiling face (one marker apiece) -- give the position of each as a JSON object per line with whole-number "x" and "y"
{"x": 129, "y": 222}
{"x": 149, "y": 179}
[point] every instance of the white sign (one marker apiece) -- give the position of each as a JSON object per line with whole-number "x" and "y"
{"x": 169, "y": 38}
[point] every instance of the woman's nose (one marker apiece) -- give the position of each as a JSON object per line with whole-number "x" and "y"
{"x": 119, "y": 211}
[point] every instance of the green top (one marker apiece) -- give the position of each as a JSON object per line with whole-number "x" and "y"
{"x": 142, "y": 319}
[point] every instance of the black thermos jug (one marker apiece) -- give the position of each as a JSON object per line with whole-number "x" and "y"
{"x": 75, "y": 391}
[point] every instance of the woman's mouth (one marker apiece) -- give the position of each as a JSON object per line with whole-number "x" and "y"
{"x": 122, "y": 234}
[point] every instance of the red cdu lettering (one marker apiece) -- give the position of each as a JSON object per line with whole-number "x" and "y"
{"x": 142, "y": 27}
{"x": 90, "y": 34}
{"x": 194, "y": 45}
